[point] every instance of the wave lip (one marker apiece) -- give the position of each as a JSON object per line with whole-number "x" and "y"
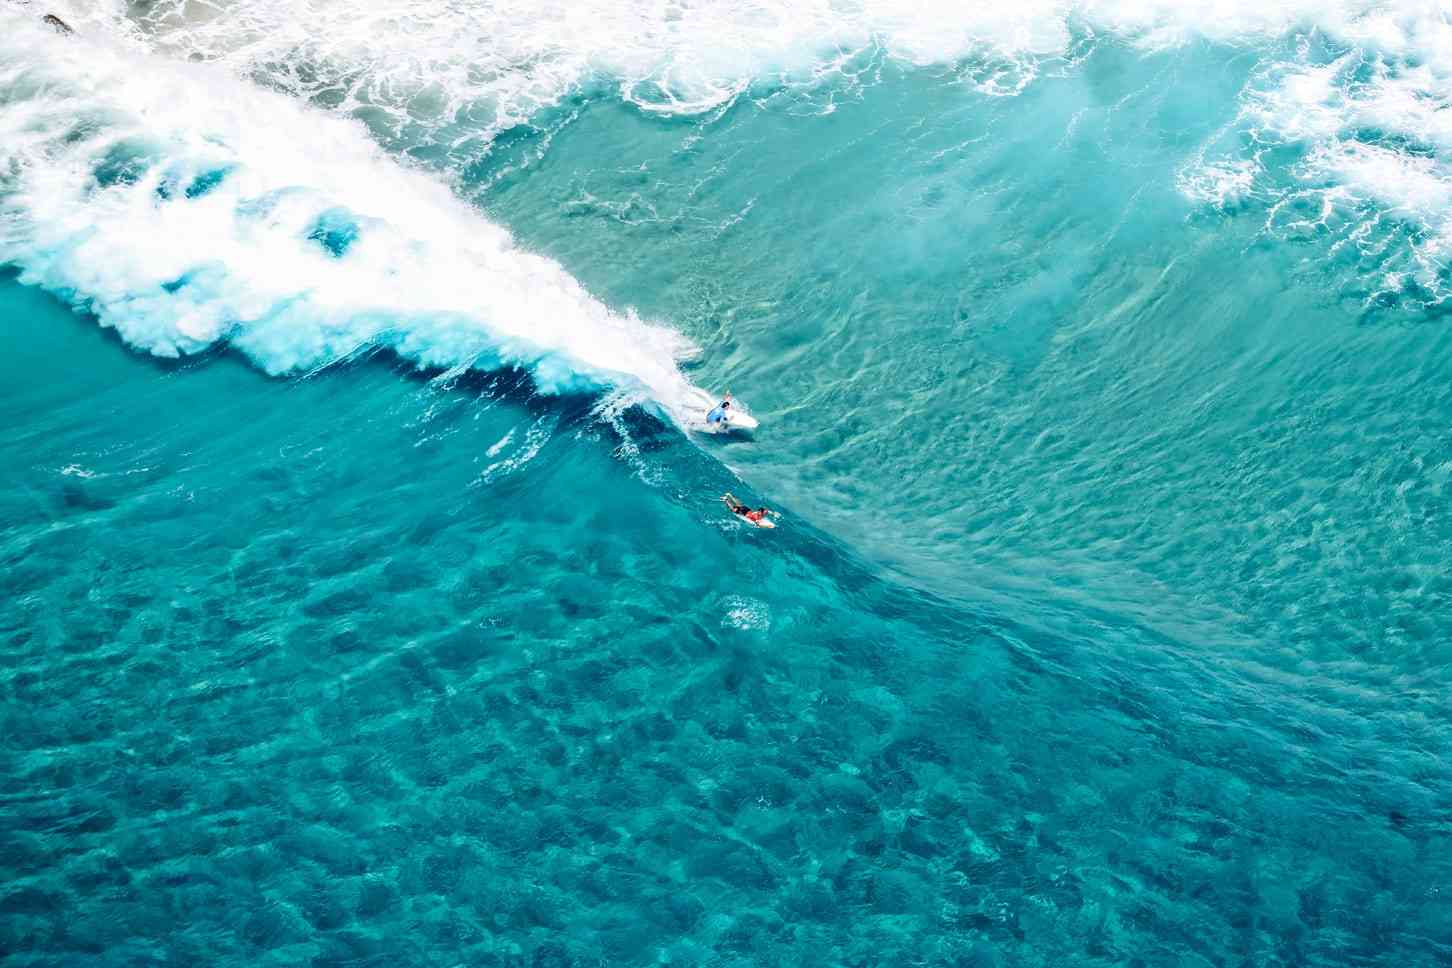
{"x": 184, "y": 208}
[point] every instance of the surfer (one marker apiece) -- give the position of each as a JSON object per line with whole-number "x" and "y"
{"x": 720, "y": 414}
{"x": 757, "y": 516}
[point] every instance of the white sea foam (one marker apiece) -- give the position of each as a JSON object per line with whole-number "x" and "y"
{"x": 692, "y": 55}
{"x": 512, "y": 57}
{"x": 1223, "y": 183}
{"x": 184, "y": 207}
{"x": 452, "y": 73}
{"x": 432, "y": 279}
{"x": 746, "y": 614}
{"x": 1374, "y": 125}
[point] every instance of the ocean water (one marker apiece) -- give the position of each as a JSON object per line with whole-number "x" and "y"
{"x": 366, "y": 598}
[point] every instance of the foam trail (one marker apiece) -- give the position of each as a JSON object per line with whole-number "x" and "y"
{"x": 184, "y": 207}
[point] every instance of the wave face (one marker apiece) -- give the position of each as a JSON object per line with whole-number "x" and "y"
{"x": 1102, "y": 357}
{"x": 184, "y": 208}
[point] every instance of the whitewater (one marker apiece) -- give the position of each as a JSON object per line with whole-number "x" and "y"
{"x": 439, "y": 85}
{"x": 367, "y": 599}
{"x": 147, "y": 194}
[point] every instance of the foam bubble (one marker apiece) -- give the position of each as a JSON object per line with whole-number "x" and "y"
{"x": 746, "y": 614}
{"x": 1223, "y": 184}
{"x": 184, "y": 207}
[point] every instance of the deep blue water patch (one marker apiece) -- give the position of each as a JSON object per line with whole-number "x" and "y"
{"x": 123, "y": 164}
{"x": 206, "y": 181}
{"x": 335, "y": 230}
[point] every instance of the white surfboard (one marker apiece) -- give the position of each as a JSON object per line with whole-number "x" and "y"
{"x": 737, "y": 423}
{"x": 737, "y": 419}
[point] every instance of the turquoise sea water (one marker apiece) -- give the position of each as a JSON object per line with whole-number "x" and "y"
{"x": 365, "y": 603}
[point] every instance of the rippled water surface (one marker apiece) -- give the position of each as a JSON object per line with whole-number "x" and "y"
{"x": 367, "y": 600}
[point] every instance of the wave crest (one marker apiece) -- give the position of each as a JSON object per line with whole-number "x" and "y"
{"x": 184, "y": 207}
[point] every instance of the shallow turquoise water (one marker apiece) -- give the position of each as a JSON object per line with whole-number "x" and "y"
{"x": 1107, "y": 623}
